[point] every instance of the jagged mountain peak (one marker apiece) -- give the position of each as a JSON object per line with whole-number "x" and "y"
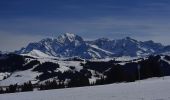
{"x": 129, "y": 39}
{"x": 68, "y": 37}
{"x": 103, "y": 39}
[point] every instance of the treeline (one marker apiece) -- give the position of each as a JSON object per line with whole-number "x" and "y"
{"x": 76, "y": 81}
{"x": 131, "y": 71}
{"x": 11, "y": 63}
{"x": 14, "y": 62}
{"x": 17, "y": 88}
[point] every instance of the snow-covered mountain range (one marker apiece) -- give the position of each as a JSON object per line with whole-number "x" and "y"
{"x": 71, "y": 45}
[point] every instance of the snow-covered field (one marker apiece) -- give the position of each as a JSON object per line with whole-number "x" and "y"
{"x": 150, "y": 89}
{"x": 20, "y": 77}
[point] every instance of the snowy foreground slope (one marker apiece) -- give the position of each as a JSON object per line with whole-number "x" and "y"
{"x": 150, "y": 89}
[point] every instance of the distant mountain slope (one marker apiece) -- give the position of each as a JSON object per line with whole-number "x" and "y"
{"x": 71, "y": 45}
{"x": 36, "y": 53}
{"x": 128, "y": 46}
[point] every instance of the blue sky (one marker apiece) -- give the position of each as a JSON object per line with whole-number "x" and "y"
{"x": 24, "y": 21}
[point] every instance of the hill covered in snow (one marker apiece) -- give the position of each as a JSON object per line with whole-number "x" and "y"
{"x": 19, "y": 69}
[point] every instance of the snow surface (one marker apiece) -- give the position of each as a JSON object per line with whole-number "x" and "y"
{"x": 36, "y": 53}
{"x": 96, "y": 47}
{"x": 65, "y": 64}
{"x": 20, "y": 77}
{"x": 2, "y": 75}
{"x": 125, "y": 58}
{"x": 151, "y": 89}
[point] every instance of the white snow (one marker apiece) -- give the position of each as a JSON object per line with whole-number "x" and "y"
{"x": 102, "y": 60}
{"x": 138, "y": 53}
{"x": 125, "y": 58}
{"x": 152, "y": 89}
{"x": 65, "y": 64}
{"x": 93, "y": 53}
{"x": 166, "y": 60}
{"x": 142, "y": 48}
{"x": 37, "y": 53}
{"x": 2, "y": 75}
{"x": 93, "y": 77}
{"x": 70, "y": 36}
{"x": 20, "y": 77}
{"x": 96, "y": 47}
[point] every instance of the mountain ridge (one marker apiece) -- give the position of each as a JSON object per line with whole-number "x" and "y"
{"x": 71, "y": 45}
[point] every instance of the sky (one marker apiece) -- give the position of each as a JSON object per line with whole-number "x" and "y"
{"x": 25, "y": 21}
